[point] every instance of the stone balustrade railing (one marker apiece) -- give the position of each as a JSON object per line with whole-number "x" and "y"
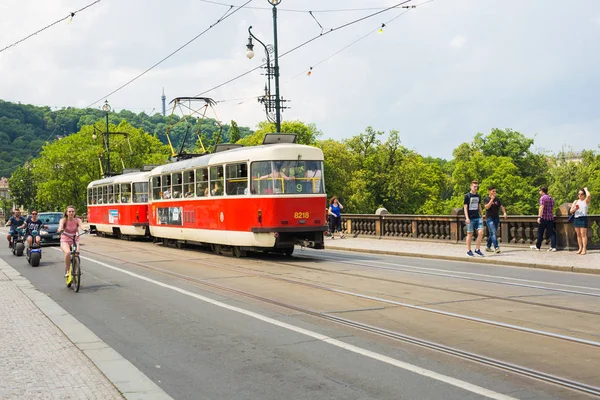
{"x": 516, "y": 230}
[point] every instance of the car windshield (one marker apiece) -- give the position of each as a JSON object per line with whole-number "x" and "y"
{"x": 50, "y": 218}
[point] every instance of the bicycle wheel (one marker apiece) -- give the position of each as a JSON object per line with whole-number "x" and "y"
{"x": 76, "y": 273}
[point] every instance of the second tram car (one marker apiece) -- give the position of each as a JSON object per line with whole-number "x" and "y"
{"x": 118, "y": 205}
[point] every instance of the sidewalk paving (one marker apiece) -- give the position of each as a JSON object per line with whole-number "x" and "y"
{"x": 45, "y": 353}
{"x": 514, "y": 256}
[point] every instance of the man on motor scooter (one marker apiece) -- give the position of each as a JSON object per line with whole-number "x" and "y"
{"x": 14, "y": 222}
{"x": 33, "y": 224}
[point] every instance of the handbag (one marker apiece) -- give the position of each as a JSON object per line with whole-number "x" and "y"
{"x": 571, "y": 218}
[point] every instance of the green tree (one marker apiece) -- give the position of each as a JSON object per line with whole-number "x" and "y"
{"x": 23, "y": 189}
{"x": 305, "y": 133}
{"x": 65, "y": 167}
{"x": 338, "y": 170}
{"x": 517, "y": 147}
{"x": 234, "y": 132}
{"x": 568, "y": 176}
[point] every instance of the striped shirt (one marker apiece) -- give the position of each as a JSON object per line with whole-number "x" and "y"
{"x": 548, "y": 203}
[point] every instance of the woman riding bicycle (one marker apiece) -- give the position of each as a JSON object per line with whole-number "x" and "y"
{"x": 69, "y": 224}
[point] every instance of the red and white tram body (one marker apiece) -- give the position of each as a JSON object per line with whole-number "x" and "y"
{"x": 268, "y": 197}
{"x": 118, "y": 205}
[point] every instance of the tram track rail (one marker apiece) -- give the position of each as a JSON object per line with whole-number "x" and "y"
{"x": 498, "y": 324}
{"x": 398, "y": 336}
{"x": 482, "y": 295}
{"x": 421, "y": 271}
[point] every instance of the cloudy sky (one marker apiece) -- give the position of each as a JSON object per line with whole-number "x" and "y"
{"x": 438, "y": 73}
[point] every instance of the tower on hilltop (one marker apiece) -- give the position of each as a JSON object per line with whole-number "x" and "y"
{"x": 164, "y": 103}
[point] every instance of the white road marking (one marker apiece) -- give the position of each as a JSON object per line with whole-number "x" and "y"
{"x": 367, "y": 353}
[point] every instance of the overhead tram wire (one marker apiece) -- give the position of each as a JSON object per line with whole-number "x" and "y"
{"x": 227, "y": 14}
{"x": 70, "y": 15}
{"x": 298, "y": 11}
{"x": 307, "y": 42}
{"x": 356, "y": 41}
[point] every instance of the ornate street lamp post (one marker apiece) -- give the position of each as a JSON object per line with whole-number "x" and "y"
{"x": 106, "y": 108}
{"x": 268, "y": 49}
{"x": 106, "y": 140}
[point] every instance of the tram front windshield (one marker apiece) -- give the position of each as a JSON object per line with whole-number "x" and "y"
{"x": 287, "y": 177}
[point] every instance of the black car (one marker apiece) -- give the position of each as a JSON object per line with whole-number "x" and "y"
{"x": 49, "y": 235}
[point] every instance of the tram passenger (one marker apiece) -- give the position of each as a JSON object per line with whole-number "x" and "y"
{"x": 217, "y": 190}
{"x": 279, "y": 176}
{"x": 313, "y": 173}
{"x": 167, "y": 194}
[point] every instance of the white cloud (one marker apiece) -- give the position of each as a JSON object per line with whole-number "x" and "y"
{"x": 514, "y": 68}
{"x": 458, "y": 41}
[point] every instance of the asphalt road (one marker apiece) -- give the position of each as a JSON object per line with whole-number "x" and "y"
{"x": 200, "y": 342}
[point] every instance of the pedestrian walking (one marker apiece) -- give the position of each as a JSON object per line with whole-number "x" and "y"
{"x": 473, "y": 220}
{"x": 545, "y": 220}
{"x": 579, "y": 209}
{"x": 493, "y": 205}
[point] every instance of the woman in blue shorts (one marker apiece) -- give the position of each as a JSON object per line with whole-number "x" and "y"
{"x": 580, "y": 209}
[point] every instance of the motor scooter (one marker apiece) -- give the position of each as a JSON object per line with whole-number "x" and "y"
{"x": 34, "y": 252}
{"x": 17, "y": 244}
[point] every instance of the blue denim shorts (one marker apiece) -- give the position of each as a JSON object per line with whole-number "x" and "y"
{"x": 475, "y": 224}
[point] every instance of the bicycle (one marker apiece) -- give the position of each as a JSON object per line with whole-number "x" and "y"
{"x": 74, "y": 274}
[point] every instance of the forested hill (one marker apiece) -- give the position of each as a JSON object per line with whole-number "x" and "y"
{"x": 24, "y": 129}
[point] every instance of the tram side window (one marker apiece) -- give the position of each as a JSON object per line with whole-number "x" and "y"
{"x": 156, "y": 188}
{"x": 89, "y": 196}
{"x": 104, "y": 195}
{"x": 177, "y": 190}
{"x": 314, "y": 176}
{"x": 125, "y": 192}
{"x": 188, "y": 184}
{"x": 94, "y": 199}
{"x": 216, "y": 180}
{"x": 166, "y": 186}
{"x": 110, "y": 195}
{"x": 308, "y": 177}
{"x": 237, "y": 179}
{"x": 261, "y": 172}
{"x": 117, "y": 193}
{"x": 202, "y": 182}
{"x": 140, "y": 192}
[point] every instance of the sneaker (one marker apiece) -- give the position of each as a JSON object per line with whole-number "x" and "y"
{"x": 533, "y": 247}
{"x": 470, "y": 253}
{"x": 343, "y": 236}
{"x": 552, "y": 249}
{"x": 497, "y": 249}
{"x": 488, "y": 249}
{"x": 479, "y": 253}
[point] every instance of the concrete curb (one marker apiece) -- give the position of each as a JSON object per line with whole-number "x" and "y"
{"x": 125, "y": 376}
{"x": 583, "y": 270}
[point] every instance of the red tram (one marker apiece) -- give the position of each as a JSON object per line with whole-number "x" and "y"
{"x": 118, "y": 205}
{"x": 266, "y": 198}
